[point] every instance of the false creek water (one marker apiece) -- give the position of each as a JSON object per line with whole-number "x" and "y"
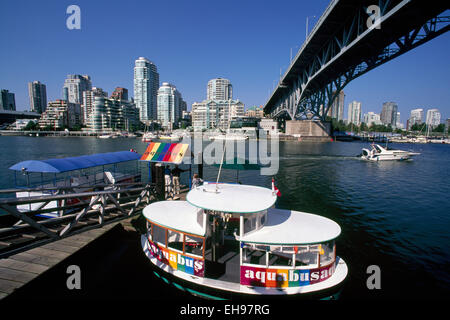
{"x": 395, "y": 215}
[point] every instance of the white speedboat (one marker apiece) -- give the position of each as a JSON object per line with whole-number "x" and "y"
{"x": 378, "y": 153}
{"x": 229, "y": 136}
{"x": 148, "y": 137}
{"x": 228, "y": 241}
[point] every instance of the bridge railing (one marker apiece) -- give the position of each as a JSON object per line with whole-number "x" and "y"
{"x": 70, "y": 213}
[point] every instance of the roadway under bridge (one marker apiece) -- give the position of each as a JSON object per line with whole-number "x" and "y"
{"x": 351, "y": 38}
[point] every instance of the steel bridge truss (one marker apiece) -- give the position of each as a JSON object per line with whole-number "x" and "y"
{"x": 312, "y": 92}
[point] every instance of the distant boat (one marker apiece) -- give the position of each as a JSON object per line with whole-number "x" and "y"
{"x": 148, "y": 136}
{"x": 378, "y": 153}
{"x": 230, "y": 136}
{"x": 105, "y": 136}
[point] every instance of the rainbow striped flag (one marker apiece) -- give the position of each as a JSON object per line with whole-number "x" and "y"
{"x": 165, "y": 152}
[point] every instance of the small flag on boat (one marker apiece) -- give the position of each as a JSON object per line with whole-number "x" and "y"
{"x": 275, "y": 189}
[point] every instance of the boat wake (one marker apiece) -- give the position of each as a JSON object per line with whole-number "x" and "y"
{"x": 320, "y": 157}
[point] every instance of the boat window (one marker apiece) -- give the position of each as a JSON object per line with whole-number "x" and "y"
{"x": 249, "y": 224}
{"x": 327, "y": 253}
{"x": 306, "y": 256}
{"x": 252, "y": 255}
{"x": 159, "y": 235}
{"x": 377, "y": 148}
{"x": 280, "y": 259}
{"x": 175, "y": 240}
{"x": 194, "y": 245}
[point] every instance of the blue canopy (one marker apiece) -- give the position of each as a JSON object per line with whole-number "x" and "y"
{"x": 75, "y": 163}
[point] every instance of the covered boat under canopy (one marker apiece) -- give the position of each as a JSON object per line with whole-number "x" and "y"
{"x": 286, "y": 227}
{"x": 75, "y": 163}
{"x": 231, "y": 198}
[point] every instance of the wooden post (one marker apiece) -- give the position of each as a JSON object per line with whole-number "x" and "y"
{"x": 152, "y": 172}
{"x": 160, "y": 182}
{"x": 200, "y": 165}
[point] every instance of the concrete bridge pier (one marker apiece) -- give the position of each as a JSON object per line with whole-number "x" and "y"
{"x": 309, "y": 130}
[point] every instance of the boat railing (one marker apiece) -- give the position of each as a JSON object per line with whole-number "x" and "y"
{"x": 77, "y": 212}
{"x": 286, "y": 257}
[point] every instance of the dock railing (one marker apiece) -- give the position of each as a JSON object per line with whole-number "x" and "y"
{"x": 76, "y": 212}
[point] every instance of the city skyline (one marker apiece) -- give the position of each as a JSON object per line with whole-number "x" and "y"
{"x": 416, "y": 79}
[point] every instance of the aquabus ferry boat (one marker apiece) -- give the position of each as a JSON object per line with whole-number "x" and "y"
{"x": 228, "y": 241}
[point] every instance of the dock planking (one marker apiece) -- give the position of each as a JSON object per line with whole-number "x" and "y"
{"x": 23, "y": 267}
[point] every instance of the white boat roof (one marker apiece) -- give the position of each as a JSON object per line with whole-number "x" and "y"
{"x": 231, "y": 198}
{"x": 286, "y": 227}
{"x": 177, "y": 215}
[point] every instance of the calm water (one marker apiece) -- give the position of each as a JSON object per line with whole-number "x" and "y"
{"x": 395, "y": 214}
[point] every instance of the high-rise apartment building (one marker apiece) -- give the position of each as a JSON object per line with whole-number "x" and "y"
{"x": 112, "y": 114}
{"x": 170, "y": 105}
{"x": 372, "y": 118}
{"x": 120, "y": 94}
{"x": 146, "y": 85}
{"x": 38, "y": 96}
{"x": 7, "y": 100}
{"x": 354, "y": 113}
{"x": 219, "y": 89}
{"x": 74, "y": 86}
{"x": 388, "y": 114}
{"x": 87, "y": 107}
{"x": 433, "y": 117}
{"x": 337, "y": 108}
{"x": 215, "y": 113}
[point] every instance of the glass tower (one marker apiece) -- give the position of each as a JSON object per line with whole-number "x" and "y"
{"x": 146, "y": 84}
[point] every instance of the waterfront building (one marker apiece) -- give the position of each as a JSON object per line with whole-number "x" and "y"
{"x": 146, "y": 85}
{"x": 170, "y": 106}
{"x": 74, "y": 86}
{"x": 219, "y": 89}
{"x": 255, "y": 111}
{"x": 112, "y": 114}
{"x": 87, "y": 106}
{"x": 8, "y": 117}
{"x": 61, "y": 114}
{"x": 416, "y": 117}
{"x": 354, "y": 113}
{"x": 38, "y": 96}
{"x": 270, "y": 126}
{"x": 372, "y": 118}
{"x": 7, "y": 100}
{"x": 388, "y": 114}
{"x": 337, "y": 108}
{"x": 433, "y": 117}
{"x": 215, "y": 113}
{"x": 399, "y": 124}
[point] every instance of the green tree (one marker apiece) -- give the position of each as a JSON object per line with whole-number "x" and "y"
{"x": 31, "y": 125}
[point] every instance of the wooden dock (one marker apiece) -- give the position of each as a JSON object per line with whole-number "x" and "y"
{"x": 19, "y": 269}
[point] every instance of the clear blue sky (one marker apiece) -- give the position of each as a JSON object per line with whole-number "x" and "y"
{"x": 246, "y": 41}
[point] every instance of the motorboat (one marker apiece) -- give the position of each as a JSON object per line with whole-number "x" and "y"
{"x": 148, "y": 137}
{"x": 230, "y": 136}
{"x": 229, "y": 241}
{"x": 378, "y": 153}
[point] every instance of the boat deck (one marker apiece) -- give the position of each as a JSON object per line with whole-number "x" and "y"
{"x": 227, "y": 267}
